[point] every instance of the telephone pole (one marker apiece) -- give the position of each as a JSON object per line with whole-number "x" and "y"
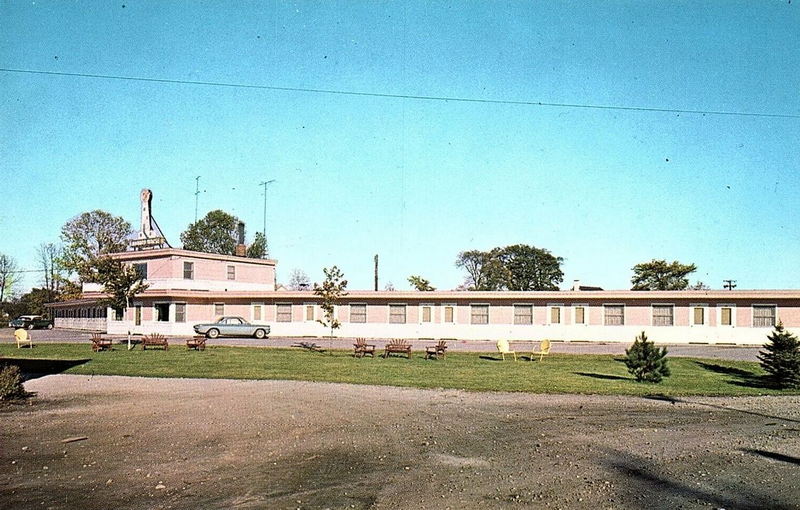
{"x": 265, "y": 184}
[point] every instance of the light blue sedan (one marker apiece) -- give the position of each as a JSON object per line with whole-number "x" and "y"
{"x": 231, "y": 326}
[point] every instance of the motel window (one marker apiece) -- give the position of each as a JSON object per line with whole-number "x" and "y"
{"x": 397, "y": 314}
{"x": 162, "y": 312}
{"x": 141, "y": 270}
{"x": 219, "y": 309}
{"x": 283, "y": 312}
{"x": 523, "y": 314}
{"x": 580, "y": 315}
{"x": 180, "y": 312}
{"x": 358, "y": 313}
{"x": 426, "y": 315}
{"x": 137, "y": 315}
{"x": 726, "y": 316}
{"x": 231, "y": 272}
{"x": 309, "y": 312}
{"x": 763, "y": 316}
{"x": 555, "y": 314}
{"x": 698, "y": 315}
{"x": 188, "y": 270}
{"x": 479, "y": 314}
{"x": 614, "y": 315}
{"x": 449, "y": 314}
{"x": 663, "y": 315}
{"x": 257, "y": 312}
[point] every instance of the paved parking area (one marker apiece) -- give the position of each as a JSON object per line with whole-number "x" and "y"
{"x": 729, "y": 352}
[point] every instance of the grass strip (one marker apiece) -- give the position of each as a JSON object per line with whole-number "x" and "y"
{"x": 471, "y": 371}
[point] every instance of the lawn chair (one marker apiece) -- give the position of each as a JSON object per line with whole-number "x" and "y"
{"x": 99, "y": 343}
{"x": 434, "y": 351}
{"x": 544, "y": 348}
{"x": 197, "y": 342}
{"x": 23, "y": 337}
{"x": 503, "y": 348}
{"x": 361, "y": 347}
{"x": 398, "y": 346}
{"x": 155, "y": 340}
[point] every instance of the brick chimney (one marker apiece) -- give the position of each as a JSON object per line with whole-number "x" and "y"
{"x": 241, "y": 248}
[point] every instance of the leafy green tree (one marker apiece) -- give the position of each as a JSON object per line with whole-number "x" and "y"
{"x": 331, "y": 290}
{"x": 781, "y": 358}
{"x": 87, "y": 237}
{"x": 515, "y": 267}
{"x": 531, "y": 268}
{"x": 420, "y": 283}
{"x": 258, "y": 250}
{"x": 215, "y": 233}
{"x": 660, "y": 275}
{"x": 645, "y": 361}
{"x": 484, "y": 269}
{"x": 121, "y": 282}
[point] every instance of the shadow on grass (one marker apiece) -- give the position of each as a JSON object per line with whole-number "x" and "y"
{"x": 742, "y": 377}
{"x": 309, "y": 346}
{"x": 603, "y": 376}
{"x": 33, "y": 368}
{"x": 491, "y": 358}
{"x": 772, "y": 455}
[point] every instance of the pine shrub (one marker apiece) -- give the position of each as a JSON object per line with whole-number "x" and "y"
{"x": 781, "y": 358}
{"x": 11, "y": 384}
{"x": 645, "y": 361}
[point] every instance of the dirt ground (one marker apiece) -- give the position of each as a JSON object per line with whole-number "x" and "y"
{"x": 184, "y": 443}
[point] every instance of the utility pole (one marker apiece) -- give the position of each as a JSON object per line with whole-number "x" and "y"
{"x": 729, "y": 284}
{"x": 265, "y": 184}
{"x": 376, "y": 273}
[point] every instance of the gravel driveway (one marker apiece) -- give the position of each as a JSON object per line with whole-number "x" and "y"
{"x": 137, "y": 443}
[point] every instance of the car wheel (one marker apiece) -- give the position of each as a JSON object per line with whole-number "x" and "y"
{"x": 49, "y": 326}
{"x": 212, "y": 333}
{"x": 260, "y": 333}
{"x": 29, "y": 327}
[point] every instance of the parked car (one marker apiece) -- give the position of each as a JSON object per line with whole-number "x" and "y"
{"x": 31, "y": 322}
{"x": 231, "y": 326}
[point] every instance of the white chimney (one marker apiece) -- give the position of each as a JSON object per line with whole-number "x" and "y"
{"x": 576, "y": 285}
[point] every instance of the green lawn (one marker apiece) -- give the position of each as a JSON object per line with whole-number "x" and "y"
{"x": 473, "y": 371}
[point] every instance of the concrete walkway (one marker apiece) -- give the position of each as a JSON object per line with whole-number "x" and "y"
{"x": 729, "y": 352}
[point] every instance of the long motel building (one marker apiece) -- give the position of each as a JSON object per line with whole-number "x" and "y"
{"x": 187, "y": 287}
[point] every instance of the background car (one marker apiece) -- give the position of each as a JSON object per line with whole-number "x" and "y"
{"x": 231, "y": 326}
{"x": 31, "y": 322}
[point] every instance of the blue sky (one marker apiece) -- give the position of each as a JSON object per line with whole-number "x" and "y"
{"x": 416, "y": 181}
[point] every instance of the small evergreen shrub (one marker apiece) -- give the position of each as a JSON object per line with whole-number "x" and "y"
{"x": 646, "y": 361}
{"x": 781, "y": 358}
{"x": 11, "y": 384}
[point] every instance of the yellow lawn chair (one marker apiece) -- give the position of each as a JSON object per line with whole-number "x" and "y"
{"x": 22, "y": 337}
{"x": 544, "y": 348}
{"x": 502, "y": 346}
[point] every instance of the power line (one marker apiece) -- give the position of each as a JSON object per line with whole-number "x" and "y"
{"x": 407, "y": 96}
